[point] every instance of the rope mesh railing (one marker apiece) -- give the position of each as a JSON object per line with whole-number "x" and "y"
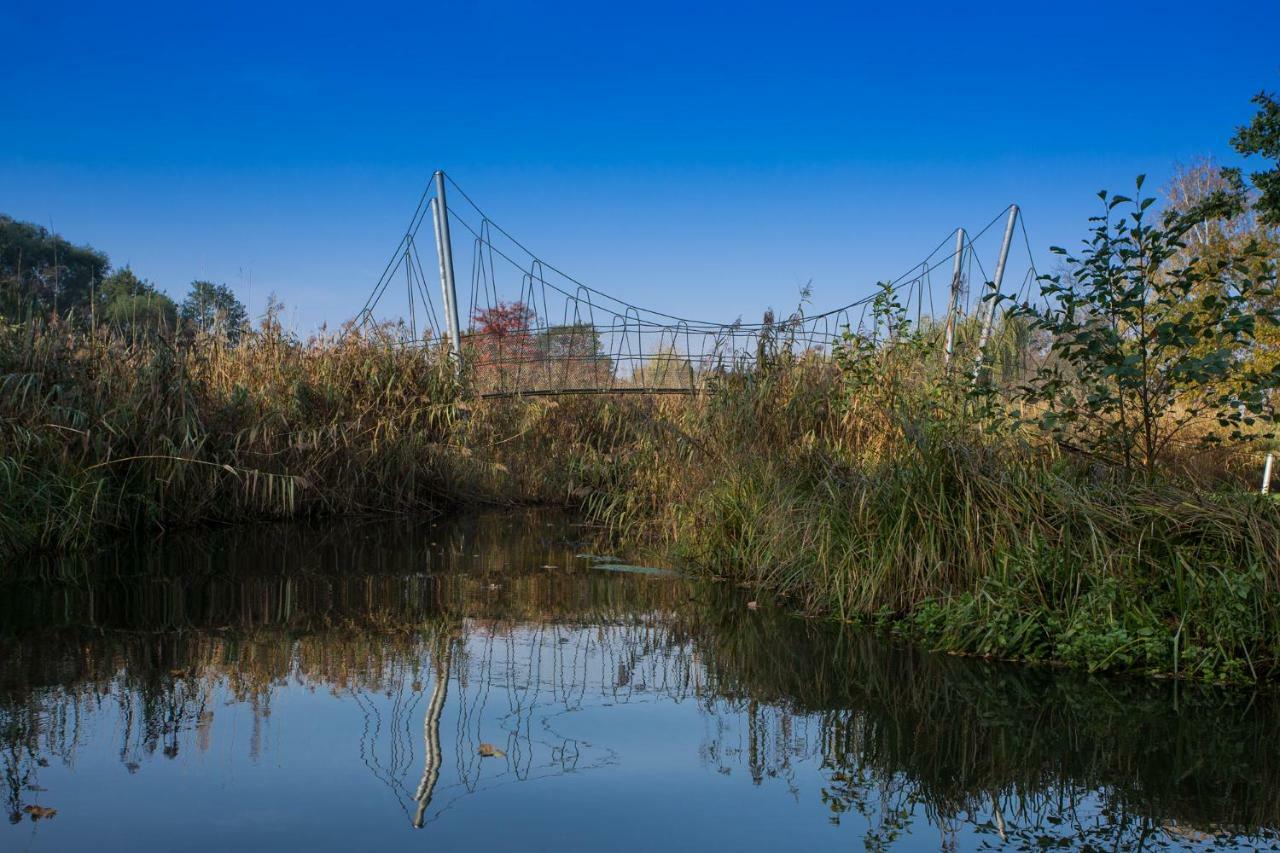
{"x": 528, "y": 328}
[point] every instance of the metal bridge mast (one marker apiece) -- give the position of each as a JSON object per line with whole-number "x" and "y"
{"x": 444, "y": 251}
{"x": 990, "y": 318}
{"x": 953, "y": 303}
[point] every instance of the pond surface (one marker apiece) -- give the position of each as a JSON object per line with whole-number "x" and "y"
{"x": 481, "y": 685}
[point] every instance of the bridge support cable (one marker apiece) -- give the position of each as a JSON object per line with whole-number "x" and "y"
{"x": 532, "y": 329}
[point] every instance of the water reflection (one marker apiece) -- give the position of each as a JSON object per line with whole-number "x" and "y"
{"x": 483, "y": 667}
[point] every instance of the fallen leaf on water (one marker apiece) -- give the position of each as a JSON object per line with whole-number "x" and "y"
{"x": 39, "y": 812}
{"x": 488, "y": 750}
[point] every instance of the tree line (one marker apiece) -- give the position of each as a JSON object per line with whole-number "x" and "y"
{"x": 42, "y": 274}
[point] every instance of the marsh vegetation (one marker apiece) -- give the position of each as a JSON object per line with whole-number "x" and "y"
{"x": 1081, "y": 489}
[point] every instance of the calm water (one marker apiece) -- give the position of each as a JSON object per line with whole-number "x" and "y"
{"x": 479, "y": 686}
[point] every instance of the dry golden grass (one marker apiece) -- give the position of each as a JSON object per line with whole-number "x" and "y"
{"x": 101, "y": 432}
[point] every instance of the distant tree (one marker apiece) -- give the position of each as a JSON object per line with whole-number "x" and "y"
{"x": 43, "y": 273}
{"x": 213, "y": 309}
{"x": 1262, "y": 137}
{"x": 666, "y": 368}
{"x": 1199, "y": 185}
{"x": 576, "y": 341}
{"x": 576, "y": 354}
{"x": 505, "y": 331}
{"x": 1224, "y": 224}
{"x": 501, "y": 344}
{"x": 132, "y": 305}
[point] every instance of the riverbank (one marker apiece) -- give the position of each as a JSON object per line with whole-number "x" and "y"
{"x": 973, "y": 542}
{"x": 902, "y": 507}
{"x": 103, "y": 433}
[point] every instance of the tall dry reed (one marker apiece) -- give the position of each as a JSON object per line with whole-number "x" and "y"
{"x": 99, "y": 432}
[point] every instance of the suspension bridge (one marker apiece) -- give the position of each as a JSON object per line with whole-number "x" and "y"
{"x": 514, "y": 324}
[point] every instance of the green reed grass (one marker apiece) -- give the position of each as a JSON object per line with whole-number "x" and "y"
{"x": 885, "y": 495}
{"x": 980, "y": 540}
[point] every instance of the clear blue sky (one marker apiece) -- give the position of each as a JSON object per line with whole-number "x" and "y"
{"x": 703, "y": 158}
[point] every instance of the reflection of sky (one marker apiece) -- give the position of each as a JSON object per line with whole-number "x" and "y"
{"x": 612, "y": 740}
{"x": 604, "y": 746}
{"x": 245, "y": 688}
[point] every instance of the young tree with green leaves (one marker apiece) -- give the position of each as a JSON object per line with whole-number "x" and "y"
{"x": 1148, "y": 345}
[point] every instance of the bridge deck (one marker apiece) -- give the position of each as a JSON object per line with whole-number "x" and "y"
{"x": 579, "y": 392}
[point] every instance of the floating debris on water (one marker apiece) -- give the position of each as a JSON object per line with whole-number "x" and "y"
{"x": 613, "y": 564}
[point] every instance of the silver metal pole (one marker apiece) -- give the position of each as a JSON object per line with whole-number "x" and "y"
{"x": 408, "y": 281}
{"x": 444, "y": 277}
{"x": 953, "y": 301}
{"x": 1266, "y": 474}
{"x": 990, "y": 318}
{"x": 444, "y": 249}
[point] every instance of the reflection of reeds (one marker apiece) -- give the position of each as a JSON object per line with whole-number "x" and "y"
{"x": 901, "y": 734}
{"x": 974, "y": 738}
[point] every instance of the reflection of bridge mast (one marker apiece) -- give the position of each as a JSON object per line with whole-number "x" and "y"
{"x": 431, "y": 730}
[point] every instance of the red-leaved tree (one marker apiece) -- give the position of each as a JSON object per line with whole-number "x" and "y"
{"x": 502, "y": 341}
